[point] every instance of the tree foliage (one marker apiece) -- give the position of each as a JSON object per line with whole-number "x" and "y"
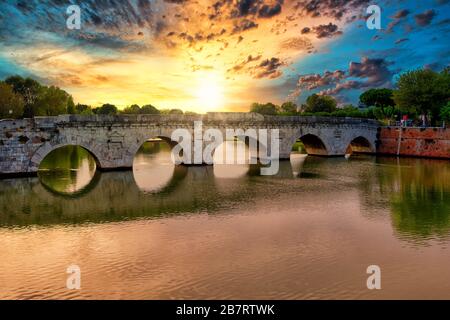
{"x": 379, "y": 98}
{"x": 289, "y": 107}
{"x": 83, "y": 109}
{"x": 51, "y": 101}
{"x": 445, "y": 113}
{"x": 106, "y": 109}
{"x": 133, "y": 109}
{"x": 318, "y": 103}
{"x": 423, "y": 92}
{"x": 266, "y": 108}
{"x": 149, "y": 109}
{"x": 11, "y": 103}
{"x": 41, "y": 100}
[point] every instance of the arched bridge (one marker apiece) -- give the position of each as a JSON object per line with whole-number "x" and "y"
{"x": 114, "y": 140}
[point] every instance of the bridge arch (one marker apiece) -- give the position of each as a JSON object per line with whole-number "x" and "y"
{"x": 47, "y": 148}
{"x": 140, "y": 138}
{"x": 254, "y": 146}
{"x": 314, "y": 145}
{"x": 152, "y": 165}
{"x": 360, "y": 144}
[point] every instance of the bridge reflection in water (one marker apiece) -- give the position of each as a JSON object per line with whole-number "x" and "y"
{"x": 176, "y": 232}
{"x": 70, "y": 190}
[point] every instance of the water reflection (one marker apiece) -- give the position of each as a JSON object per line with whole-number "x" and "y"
{"x": 153, "y": 168}
{"x": 231, "y": 160}
{"x": 419, "y": 196}
{"x": 67, "y": 170}
{"x": 413, "y": 195}
{"x": 300, "y": 231}
{"x": 297, "y": 163}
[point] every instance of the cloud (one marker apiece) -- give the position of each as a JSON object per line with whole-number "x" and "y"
{"x": 376, "y": 71}
{"x": 313, "y": 81}
{"x": 244, "y": 25}
{"x": 401, "y": 40}
{"x": 326, "y": 30}
{"x": 398, "y": 17}
{"x": 267, "y": 11}
{"x": 268, "y": 69}
{"x": 297, "y": 44}
{"x": 360, "y": 75}
{"x": 347, "y": 85}
{"x": 243, "y": 64}
{"x": 260, "y": 8}
{"x": 425, "y": 18}
{"x": 401, "y": 14}
{"x": 330, "y": 8}
{"x": 306, "y": 30}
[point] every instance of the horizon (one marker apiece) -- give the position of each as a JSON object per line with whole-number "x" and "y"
{"x": 222, "y": 57}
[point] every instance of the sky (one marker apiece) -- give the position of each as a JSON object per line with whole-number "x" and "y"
{"x": 220, "y": 55}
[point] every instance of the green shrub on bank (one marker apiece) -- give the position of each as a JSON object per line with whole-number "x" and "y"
{"x": 445, "y": 113}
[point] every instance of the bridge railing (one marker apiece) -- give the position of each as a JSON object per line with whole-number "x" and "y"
{"x": 221, "y": 117}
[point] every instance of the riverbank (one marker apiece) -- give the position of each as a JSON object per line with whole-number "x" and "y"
{"x": 415, "y": 142}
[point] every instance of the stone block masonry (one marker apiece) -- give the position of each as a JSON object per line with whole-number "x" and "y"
{"x": 114, "y": 140}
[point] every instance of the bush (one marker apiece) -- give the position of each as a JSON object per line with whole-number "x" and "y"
{"x": 445, "y": 113}
{"x": 267, "y": 108}
{"x": 322, "y": 114}
{"x": 83, "y": 109}
{"x": 149, "y": 109}
{"x": 133, "y": 109}
{"x": 106, "y": 109}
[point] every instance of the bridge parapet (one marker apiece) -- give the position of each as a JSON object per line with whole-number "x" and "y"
{"x": 222, "y": 117}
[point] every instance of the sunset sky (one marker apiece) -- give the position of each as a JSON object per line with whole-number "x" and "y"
{"x": 220, "y": 55}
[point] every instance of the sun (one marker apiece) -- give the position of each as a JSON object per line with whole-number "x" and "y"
{"x": 209, "y": 95}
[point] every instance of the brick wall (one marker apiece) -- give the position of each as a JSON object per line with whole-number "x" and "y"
{"x": 420, "y": 142}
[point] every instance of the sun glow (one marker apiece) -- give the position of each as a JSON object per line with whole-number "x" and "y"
{"x": 209, "y": 94}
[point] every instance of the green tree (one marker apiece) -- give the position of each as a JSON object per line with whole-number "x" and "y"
{"x": 83, "y": 109}
{"x": 149, "y": 109}
{"x": 176, "y": 111}
{"x": 445, "y": 113}
{"x": 318, "y": 103}
{"x": 384, "y": 113}
{"x": 133, "y": 109}
{"x": 29, "y": 89}
{"x": 52, "y": 101}
{"x": 71, "y": 106}
{"x": 382, "y": 101}
{"x": 379, "y": 98}
{"x": 11, "y": 103}
{"x": 348, "y": 111}
{"x": 106, "y": 109}
{"x": 423, "y": 92}
{"x": 267, "y": 108}
{"x": 289, "y": 107}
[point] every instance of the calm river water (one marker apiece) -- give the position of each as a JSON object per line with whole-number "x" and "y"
{"x": 225, "y": 232}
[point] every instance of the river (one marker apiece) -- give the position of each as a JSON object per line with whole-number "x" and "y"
{"x": 225, "y": 232}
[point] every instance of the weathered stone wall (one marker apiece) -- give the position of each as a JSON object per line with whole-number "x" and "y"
{"x": 418, "y": 142}
{"x": 114, "y": 140}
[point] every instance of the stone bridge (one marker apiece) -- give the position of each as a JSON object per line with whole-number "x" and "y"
{"x": 114, "y": 140}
